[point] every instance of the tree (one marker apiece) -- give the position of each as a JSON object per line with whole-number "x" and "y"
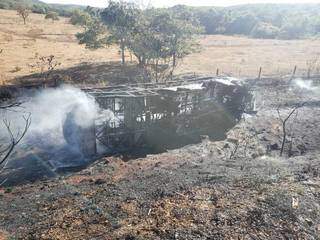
{"x": 242, "y": 24}
{"x": 52, "y": 15}
{"x": 163, "y": 37}
{"x": 156, "y": 37}
{"x": 79, "y": 17}
{"x": 23, "y": 12}
{"x": 265, "y": 30}
{"x": 121, "y": 19}
{"x": 284, "y": 121}
{"x": 95, "y": 34}
{"x": 46, "y": 66}
{"x": 13, "y": 137}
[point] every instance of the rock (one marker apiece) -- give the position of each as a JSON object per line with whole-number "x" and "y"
{"x": 302, "y": 148}
{"x": 99, "y": 181}
{"x": 309, "y": 221}
{"x": 129, "y": 237}
{"x": 274, "y": 146}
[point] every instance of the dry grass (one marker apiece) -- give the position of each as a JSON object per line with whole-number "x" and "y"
{"x": 22, "y": 43}
{"x": 237, "y": 56}
{"x": 240, "y": 56}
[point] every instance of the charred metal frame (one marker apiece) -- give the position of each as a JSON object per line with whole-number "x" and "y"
{"x": 142, "y": 110}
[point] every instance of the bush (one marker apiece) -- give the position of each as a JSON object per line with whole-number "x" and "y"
{"x": 38, "y": 9}
{"x": 291, "y": 31}
{"x": 3, "y": 6}
{"x": 52, "y": 15}
{"x": 242, "y": 25}
{"x": 265, "y": 30}
{"x": 79, "y": 18}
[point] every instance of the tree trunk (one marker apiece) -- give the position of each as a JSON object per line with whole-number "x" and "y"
{"x": 123, "y": 58}
{"x": 157, "y": 63}
{"x": 174, "y": 64}
{"x": 24, "y": 21}
{"x": 284, "y": 138}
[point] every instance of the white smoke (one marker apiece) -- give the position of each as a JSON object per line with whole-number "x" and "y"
{"x": 49, "y": 109}
{"x": 307, "y": 85}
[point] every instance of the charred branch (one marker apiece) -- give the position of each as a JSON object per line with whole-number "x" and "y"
{"x": 284, "y": 120}
{"x": 14, "y": 138}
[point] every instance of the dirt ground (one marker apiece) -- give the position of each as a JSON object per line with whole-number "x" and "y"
{"x": 211, "y": 190}
{"x": 202, "y": 191}
{"x": 236, "y": 56}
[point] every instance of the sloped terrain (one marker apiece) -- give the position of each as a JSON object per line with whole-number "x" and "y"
{"x": 212, "y": 190}
{"x": 22, "y": 45}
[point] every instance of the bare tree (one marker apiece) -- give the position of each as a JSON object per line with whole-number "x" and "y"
{"x": 46, "y": 65}
{"x": 14, "y": 138}
{"x": 284, "y": 120}
{"x": 23, "y": 12}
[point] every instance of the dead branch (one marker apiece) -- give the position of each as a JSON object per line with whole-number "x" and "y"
{"x": 15, "y": 139}
{"x": 284, "y": 121}
{"x": 46, "y": 65}
{"x": 10, "y": 105}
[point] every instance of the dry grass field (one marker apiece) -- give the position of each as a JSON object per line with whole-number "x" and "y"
{"x": 237, "y": 56}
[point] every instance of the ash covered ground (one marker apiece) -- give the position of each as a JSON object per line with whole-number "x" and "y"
{"x": 238, "y": 188}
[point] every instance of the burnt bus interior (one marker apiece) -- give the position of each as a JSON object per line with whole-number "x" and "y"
{"x": 164, "y": 116}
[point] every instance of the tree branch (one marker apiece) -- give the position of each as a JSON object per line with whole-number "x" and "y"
{"x": 14, "y": 140}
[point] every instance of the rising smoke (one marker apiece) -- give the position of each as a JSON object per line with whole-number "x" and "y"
{"x": 307, "y": 85}
{"x": 49, "y": 109}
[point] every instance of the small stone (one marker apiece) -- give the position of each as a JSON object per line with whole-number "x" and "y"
{"x": 309, "y": 221}
{"x": 274, "y": 146}
{"x": 99, "y": 181}
{"x": 226, "y": 146}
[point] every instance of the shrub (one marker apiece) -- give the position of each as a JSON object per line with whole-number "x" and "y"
{"x": 295, "y": 29}
{"x": 52, "y": 15}
{"x": 79, "y": 18}
{"x": 265, "y": 30}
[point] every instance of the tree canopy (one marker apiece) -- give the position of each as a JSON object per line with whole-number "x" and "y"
{"x": 284, "y": 21}
{"x": 158, "y": 38}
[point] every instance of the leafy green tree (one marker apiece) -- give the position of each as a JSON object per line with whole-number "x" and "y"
{"x": 184, "y": 27}
{"x": 242, "y": 24}
{"x": 95, "y": 34}
{"x": 121, "y": 19}
{"x": 156, "y": 37}
{"x": 79, "y": 17}
{"x": 163, "y": 37}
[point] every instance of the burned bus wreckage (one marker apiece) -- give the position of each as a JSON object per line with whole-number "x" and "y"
{"x": 156, "y": 117}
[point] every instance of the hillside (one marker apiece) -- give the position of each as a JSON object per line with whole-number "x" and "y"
{"x": 238, "y": 56}
{"x": 284, "y": 21}
{"x": 37, "y": 6}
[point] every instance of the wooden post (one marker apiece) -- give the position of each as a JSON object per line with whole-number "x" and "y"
{"x": 260, "y": 72}
{"x": 309, "y": 73}
{"x": 294, "y": 72}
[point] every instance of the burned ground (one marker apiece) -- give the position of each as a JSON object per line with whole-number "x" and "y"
{"x": 203, "y": 191}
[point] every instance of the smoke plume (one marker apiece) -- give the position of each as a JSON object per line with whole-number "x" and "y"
{"x": 49, "y": 109}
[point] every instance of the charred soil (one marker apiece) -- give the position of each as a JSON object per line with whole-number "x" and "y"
{"x": 238, "y": 188}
